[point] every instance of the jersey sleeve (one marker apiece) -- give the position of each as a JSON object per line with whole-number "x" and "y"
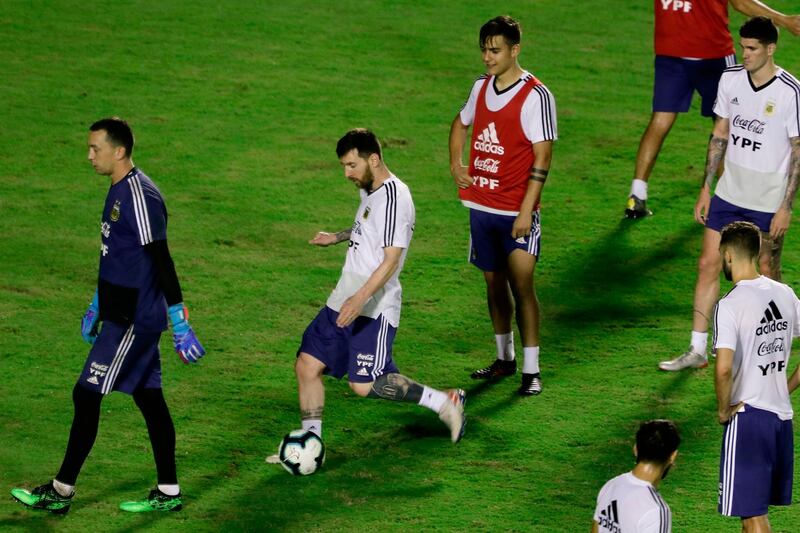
{"x": 399, "y": 217}
{"x": 539, "y": 115}
{"x": 724, "y": 327}
{"x": 467, "y": 113}
{"x": 150, "y": 214}
{"x": 796, "y": 331}
{"x": 793, "y": 116}
{"x": 656, "y": 520}
{"x": 722, "y": 102}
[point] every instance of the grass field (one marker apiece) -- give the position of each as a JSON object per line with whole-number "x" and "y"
{"x": 237, "y": 107}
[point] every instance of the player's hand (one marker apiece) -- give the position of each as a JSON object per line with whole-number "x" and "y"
{"x": 726, "y": 414}
{"x": 186, "y": 344}
{"x": 461, "y": 176}
{"x": 89, "y": 322}
{"x": 351, "y": 309}
{"x": 792, "y": 23}
{"x": 702, "y": 205}
{"x": 522, "y": 225}
{"x": 323, "y": 238}
{"x": 780, "y": 222}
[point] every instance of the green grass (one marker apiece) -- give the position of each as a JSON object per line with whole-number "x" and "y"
{"x": 237, "y": 108}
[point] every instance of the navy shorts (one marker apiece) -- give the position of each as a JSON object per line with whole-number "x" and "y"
{"x": 122, "y": 358}
{"x": 491, "y": 242}
{"x": 756, "y": 463}
{"x": 362, "y": 350}
{"x": 676, "y": 80}
{"x": 721, "y": 213}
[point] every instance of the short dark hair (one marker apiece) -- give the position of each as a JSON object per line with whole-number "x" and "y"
{"x": 505, "y": 26}
{"x": 744, "y": 237}
{"x": 656, "y": 440}
{"x": 760, "y": 28}
{"x": 118, "y": 132}
{"x": 360, "y": 139}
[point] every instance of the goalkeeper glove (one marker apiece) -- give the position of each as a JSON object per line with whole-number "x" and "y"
{"x": 186, "y": 344}
{"x": 89, "y": 321}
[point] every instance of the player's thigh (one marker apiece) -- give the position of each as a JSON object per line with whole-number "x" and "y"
{"x": 370, "y": 350}
{"x": 486, "y": 232}
{"x": 324, "y": 344}
{"x": 672, "y": 88}
{"x": 704, "y": 76}
{"x": 521, "y": 266}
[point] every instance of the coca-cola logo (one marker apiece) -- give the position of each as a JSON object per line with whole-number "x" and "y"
{"x": 487, "y": 165}
{"x": 752, "y": 125}
{"x": 768, "y": 348}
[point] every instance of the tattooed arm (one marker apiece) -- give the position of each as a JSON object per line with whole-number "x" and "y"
{"x": 717, "y": 146}
{"x": 783, "y": 216}
{"x": 323, "y": 238}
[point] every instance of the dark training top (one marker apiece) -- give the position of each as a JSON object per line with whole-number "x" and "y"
{"x": 137, "y": 278}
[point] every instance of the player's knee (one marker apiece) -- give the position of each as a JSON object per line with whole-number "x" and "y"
{"x": 709, "y": 264}
{"x": 306, "y": 367}
{"x": 362, "y": 389}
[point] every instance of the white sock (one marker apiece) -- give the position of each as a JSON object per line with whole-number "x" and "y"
{"x": 531, "y": 364}
{"x": 639, "y": 189}
{"x": 170, "y": 490}
{"x": 313, "y": 425}
{"x": 699, "y": 341}
{"x": 432, "y": 399}
{"x": 63, "y": 489}
{"x": 505, "y": 346}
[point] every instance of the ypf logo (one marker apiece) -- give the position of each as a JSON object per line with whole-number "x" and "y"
{"x": 676, "y": 5}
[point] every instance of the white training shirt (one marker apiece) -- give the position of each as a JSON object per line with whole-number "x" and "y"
{"x": 761, "y": 123}
{"x": 384, "y": 219}
{"x": 758, "y": 319}
{"x": 538, "y": 115}
{"x": 627, "y": 504}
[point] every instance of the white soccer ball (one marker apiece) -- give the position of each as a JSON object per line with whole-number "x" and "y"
{"x": 301, "y": 452}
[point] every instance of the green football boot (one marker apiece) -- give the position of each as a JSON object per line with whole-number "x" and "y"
{"x": 44, "y": 497}
{"x": 155, "y": 501}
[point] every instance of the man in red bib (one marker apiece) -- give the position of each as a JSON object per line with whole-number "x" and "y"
{"x": 693, "y": 46}
{"x": 513, "y": 119}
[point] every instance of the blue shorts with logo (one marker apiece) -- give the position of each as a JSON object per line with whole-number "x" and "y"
{"x": 676, "y": 79}
{"x": 491, "y": 242}
{"x": 362, "y": 350}
{"x": 721, "y": 213}
{"x": 756, "y": 463}
{"x": 123, "y": 358}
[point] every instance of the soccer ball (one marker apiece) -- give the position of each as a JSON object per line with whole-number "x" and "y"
{"x": 301, "y": 452}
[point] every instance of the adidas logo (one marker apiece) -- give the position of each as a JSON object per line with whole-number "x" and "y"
{"x": 609, "y": 518}
{"x": 362, "y": 372}
{"x": 772, "y": 320}
{"x": 735, "y": 101}
{"x": 93, "y": 380}
{"x": 488, "y": 141}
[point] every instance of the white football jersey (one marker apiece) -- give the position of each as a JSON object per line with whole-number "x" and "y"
{"x": 761, "y": 123}
{"x": 384, "y": 219}
{"x": 538, "y": 115}
{"x": 628, "y": 504}
{"x": 758, "y": 319}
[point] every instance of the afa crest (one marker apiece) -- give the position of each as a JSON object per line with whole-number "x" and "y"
{"x": 769, "y": 110}
{"x": 366, "y": 213}
{"x": 115, "y": 211}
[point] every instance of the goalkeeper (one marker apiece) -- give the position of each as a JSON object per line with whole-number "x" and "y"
{"x": 137, "y": 290}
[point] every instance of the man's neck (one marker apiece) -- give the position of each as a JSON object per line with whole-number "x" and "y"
{"x": 508, "y": 78}
{"x": 379, "y": 177}
{"x": 744, "y": 272}
{"x": 764, "y": 74}
{"x": 648, "y": 472}
{"x": 120, "y": 171}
